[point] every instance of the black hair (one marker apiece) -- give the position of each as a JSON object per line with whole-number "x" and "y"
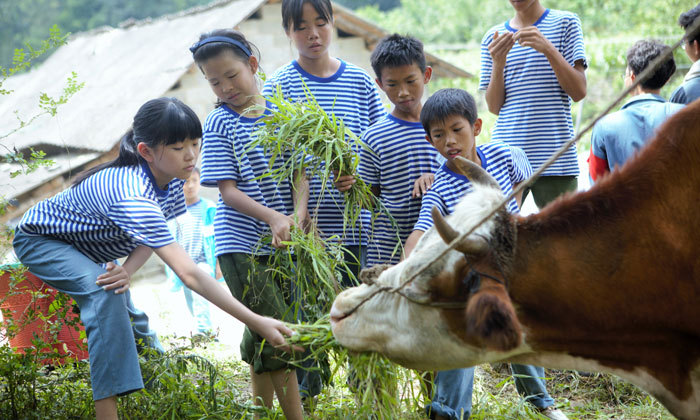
{"x": 396, "y": 51}
{"x": 213, "y": 49}
{"x": 445, "y": 103}
{"x": 641, "y": 54}
{"x": 161, "y": 121}
{"x": 292, "y": 12}
{"x": 686, "y": 21}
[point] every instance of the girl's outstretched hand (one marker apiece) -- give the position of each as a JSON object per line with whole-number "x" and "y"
{"x": 274, "y": 331}
{"x": 116, "y": 277}
{"x": 280, "y": 226}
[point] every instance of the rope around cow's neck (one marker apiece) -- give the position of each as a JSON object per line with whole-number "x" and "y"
{"x": 654, "y": 65}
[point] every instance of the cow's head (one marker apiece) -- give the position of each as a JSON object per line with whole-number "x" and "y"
{"x": 449, "y": 313}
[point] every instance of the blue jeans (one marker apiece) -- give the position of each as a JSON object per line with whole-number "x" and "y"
{"x": 111, "y": 322}
{"x": 453, "y": 390}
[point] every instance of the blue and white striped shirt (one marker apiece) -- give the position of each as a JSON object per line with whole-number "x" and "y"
{"x": 351, "y": 95}
{"x": 110, "y": 213}
{"x": 536, "y": 113}
{"x": 225, "y": 139}
{"x": 397, "y": 155}
{"x": 506, "y": 163}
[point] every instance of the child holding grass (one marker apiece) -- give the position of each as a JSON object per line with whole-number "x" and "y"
{"x": 397, "y": 154}
{"x": 341, "y": 89}
{"x": 120, "y": 209}
{"x": 250, "y": 206}
{"x": 450, "y": 120}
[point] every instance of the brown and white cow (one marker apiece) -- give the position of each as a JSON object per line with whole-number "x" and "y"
{"x": 603, "y": 280}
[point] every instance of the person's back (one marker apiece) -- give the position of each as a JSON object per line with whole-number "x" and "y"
{"x": 690, "y": 89}
{"x": 618, "y": 136}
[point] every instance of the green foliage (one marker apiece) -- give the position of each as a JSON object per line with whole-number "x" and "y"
{"x": 22, "y": 21}
{"x": 381, "y": 4}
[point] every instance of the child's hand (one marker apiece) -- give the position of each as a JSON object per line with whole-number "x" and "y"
{"x": 343, "y": 183}
{"x": 274, "y": 331}
{"x": 422, "y": 185}
{"x": 116, "y": 277}
{"x": 533, "y": 38}
{"x": 280, "y": 226}
{"x": 499, "y": 47}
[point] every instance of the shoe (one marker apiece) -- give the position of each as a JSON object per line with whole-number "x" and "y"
{"x": 553, "y": 413}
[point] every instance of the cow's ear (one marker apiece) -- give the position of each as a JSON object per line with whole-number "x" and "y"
{"x": 491, "y": 318}
{"x": 370, "y": 275}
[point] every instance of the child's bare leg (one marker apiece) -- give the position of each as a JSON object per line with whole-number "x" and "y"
{"x": 106, "y": 408}
{"x": 263, "y": 391}
{"x": 287, "y": 390}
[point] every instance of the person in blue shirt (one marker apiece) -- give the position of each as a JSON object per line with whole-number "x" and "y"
{"x": 251, "y": 206}
{"x": 450, "y": 120}
{"x": 690, "y": 89}
{"x": 397, "y": 155}
{"x": 618, "y": 136}
{"x": 115, "y": 210}
{"x": 344, "y": 90}
{"x": 194, "y": 231}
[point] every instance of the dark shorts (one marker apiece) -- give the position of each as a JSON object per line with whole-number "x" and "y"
{"x": 251, "y": 283}
{"x": 547, "y": 188}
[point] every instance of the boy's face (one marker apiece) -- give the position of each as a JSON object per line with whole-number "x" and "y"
{"x": 191, "y": 187}
{"x": 522, "y": 5}
{"x": 404, "y": 86}
{"x": 455, "y": 137}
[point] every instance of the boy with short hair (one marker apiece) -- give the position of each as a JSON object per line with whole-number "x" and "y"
{"x": 397, "y": 154}
{"x": 450, "y": 120}
{"x": 531, "y": 68}
{"x": 618, "y": 136}
{"x": 690, "y": 89}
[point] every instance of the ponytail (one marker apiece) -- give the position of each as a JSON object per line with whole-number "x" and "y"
{"x": 128, "y": 156}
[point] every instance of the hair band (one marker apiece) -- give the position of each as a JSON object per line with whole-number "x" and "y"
{"x": 225, "y": 39}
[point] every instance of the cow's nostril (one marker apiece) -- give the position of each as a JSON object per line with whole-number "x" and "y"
{"x": 336, "y": 314}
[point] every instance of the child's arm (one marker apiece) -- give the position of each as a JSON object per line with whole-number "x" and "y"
{"x": 571, "y": 79}
{"x": 237, "y": 199}
{"x": 119, "y": 276}
{"x": 411, "y": 242}
{"x": 300, "y": 195}
{"x": 271, "y": 329}
{"x": 498, "y": 49}
{"x": 422, "y": 184}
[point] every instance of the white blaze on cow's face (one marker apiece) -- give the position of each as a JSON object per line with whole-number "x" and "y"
{"x": 419, "y": 335}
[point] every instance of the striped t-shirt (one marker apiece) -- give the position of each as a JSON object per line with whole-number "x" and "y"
{"x": 188, "y": 230}
{"x": 507, "y": 164}
{"x": 351, "y": 95}
{"x": 397, "y": 154}
{"x": 225, "y": 140}
{"x": 110, "y": 213}
{"x": 536, "y": 113}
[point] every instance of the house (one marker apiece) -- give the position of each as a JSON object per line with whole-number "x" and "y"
{"x": 124, "y": 67}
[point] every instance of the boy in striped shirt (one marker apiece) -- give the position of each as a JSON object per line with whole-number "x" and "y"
{"x": 397, "y": 154}
{"x": 450, "y": 120}
{"x": 531, "y": 68}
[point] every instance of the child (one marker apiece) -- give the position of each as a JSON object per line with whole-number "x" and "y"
{"x": 194, "y": 231}
{"x": 115, "y": 210}
{"x": 342, "y": 89}
{"x": 690, "y": 89}
{"x": 249, "y": 207}
{"x": 530, "y": 66}
{"x": 618, "y": 136}
{"x": 450, "y": 121}
{"x": 397, "y": 153}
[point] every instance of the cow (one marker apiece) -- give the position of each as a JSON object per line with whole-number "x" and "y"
{"x": 602, "y": 280}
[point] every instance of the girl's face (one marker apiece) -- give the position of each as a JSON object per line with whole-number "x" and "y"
{"x": 170, "y": 161}
{"x": 232, "y": 79}
{"x": 313, "y": 36}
